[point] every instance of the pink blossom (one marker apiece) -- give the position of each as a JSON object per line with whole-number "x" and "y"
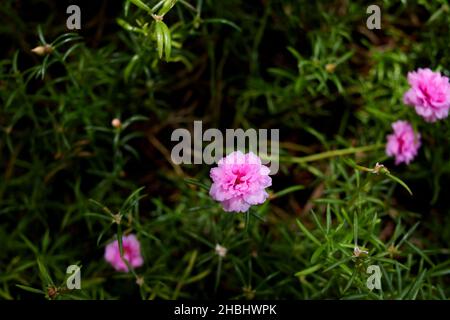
{"x": 403, "y": 143}
{"x": 131, "y": 252}
{"x": 239, "y": 181}
{"x": 429, "y": 94}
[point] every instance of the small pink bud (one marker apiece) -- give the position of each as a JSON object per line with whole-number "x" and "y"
{"x": 116, "y": 123}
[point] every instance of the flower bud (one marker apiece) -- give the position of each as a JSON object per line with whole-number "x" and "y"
{"x": 43, "y": 50}
{"x": 116, "y": 123}
{"x": 221, "y": 251}
{"x": 330, "y": 67}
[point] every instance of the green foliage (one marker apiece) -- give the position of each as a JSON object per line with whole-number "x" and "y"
{"x": 71, "y": 182}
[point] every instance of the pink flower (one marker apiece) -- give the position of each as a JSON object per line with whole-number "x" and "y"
{"x": 429, "y": 94}
{"x": 131, "y": 252}
{"x": 239, "y": 181}
{"x": 403, "y": 143}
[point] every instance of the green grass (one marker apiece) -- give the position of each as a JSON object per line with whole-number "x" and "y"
{"x": 308, "y": 68}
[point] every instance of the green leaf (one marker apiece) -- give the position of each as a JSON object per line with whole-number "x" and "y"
{"x": 30, "y": 289}
{"x": 197, "y": 183}
{"x": 29, "y": 244}
{"x": 390, "y": 176}
{"x": 119, "y": 239}
{"x": 352, "y": 278}
{"x": 101, "y": 206}
{"x": 412, "y": 294}
{"x": 408, "y": 234}
{"x": 133, "y": 119}
{"x": 199, "y": 238}
{"x": 218, "y": 275}
{"x": 317, "y": 222}
{"x": 338, "y": 263}
{"x": 223, "y": 21}
{"x": 97, "y": 215}
{"x": 287, "y": 191}
{"x": 168, "y": 4}
{"x": 125, "y": 25}
{"x": 308, "y": 270}
{"x": 167, "y": 40}
{"x": 308, "y": 234}
{"x": 46, "y": 240}
{"x": 44, "y": 273}
{"x": 440, "y": 273}
{"x": 420, "y": 252}
{"x": 141, "y": 5}
{"x": 329, "y": 222}
{"x": 100, "y": 236}
{"x": 317, "y": 253}
{"x": 130, "y": 66}
{"x": 197, "y": 277}
{"x": 159, "y": 38}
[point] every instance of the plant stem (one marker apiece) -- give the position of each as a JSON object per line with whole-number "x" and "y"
{"x": 330, "y": 154}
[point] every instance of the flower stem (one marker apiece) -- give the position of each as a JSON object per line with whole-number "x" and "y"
{"x": 330, "y": 154}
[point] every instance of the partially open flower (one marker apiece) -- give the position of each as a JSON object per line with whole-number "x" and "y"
{"x": 403, "y": 144}
{"x": 131, "y": 253}
{"x": 357, "y": 252}
{"x": 379, "y": 168}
